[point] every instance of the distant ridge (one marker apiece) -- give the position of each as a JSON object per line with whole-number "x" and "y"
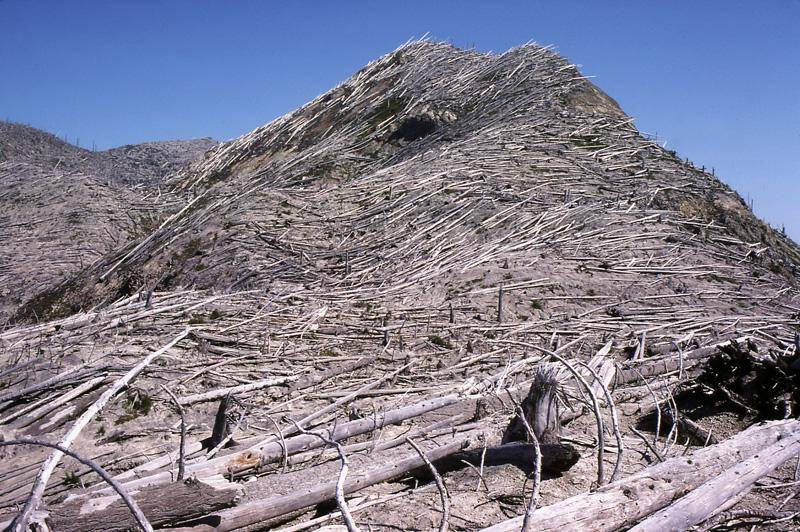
{"x": 146, "y": 163}
{"x": 62, "y": 206}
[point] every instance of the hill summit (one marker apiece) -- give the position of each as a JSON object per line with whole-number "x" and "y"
{"x": 425, "y": 167}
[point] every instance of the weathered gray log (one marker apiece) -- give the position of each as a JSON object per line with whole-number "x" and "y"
{"x": 68, "y": 377}
{"x": 163, "y": 505}
{"x": 301, "y": 383}
{"x": 307, "y": 381}
{"x": 624, "y": 503}
{"x": 649, "y": 367}
{"x": 264, "y": 510}
{"x": 556, "y": 457}
{"x": 213, "y": 395}
{"x": 723, "y": 491}
{"x": 271, "y": 451}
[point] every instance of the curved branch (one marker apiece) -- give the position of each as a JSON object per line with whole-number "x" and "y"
{"x": 129, "y": 502}
{"x": 341, "y": 502}
{"x": 445, "y": 524}
{"x": 614, "y": 420}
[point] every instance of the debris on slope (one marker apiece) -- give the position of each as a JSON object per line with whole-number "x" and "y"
{"x": 147, "y": 164}
{"x": 63, "y": 207}
{"x": 374, "y": 281}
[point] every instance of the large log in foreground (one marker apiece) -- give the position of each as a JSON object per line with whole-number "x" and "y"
{"x": 163, "y": 505}
{"x": 722, "y": 492}
{"x": 270, "y": 450}
{"x": 624, "y": 503}
{"x": 261, "y": 511}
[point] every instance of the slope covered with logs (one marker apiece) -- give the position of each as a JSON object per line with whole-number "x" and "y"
{"x": 376, "y": 280}
{"x": 64, "y": 207}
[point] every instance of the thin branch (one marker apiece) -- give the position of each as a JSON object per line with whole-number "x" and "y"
{"x": 340, "y": 500}
{"x": 649, "y": 445}
{"x": 283, "y": 443}
{"x": 537, "y": 471}
{"x": 182, "y": 448}
{"x": 444, "y": 525}
{"x": 614, "y": 421}
{"x": 655, "y": 402}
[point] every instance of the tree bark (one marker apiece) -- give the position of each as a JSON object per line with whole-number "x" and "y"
{"x": 163, "y": 506}
{"x": 623, "y": 503}
{"x": 723, "y": 491}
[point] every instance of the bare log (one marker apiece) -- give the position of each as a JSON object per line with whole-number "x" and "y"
{"x": 313, "y": 379}
{"x": 163, "y": 505}
{"x": 623, "y": 503}
{"x": 309, "y": 380}
{"x": 265, "y": 510}
{"x": 234, "y": 390}
{"x": 661, "y": 365}
{"x": 269, "y": 450}
{"x": 722, "y": 491}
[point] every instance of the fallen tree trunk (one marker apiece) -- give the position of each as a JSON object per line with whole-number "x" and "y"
{"x": 661, "y": 365}
{"x": 162, "y": 505}
{"x": 556, "y": 457}
{"x": 270, "y": 451}
{"x": 301, "y": 383}
{"x": 307, "y": 381}
{"x": 233, "y": 390}
{"x": 627, "y": 501}
{"x": 262, "y": 511}
{"x": 723, "y": 491}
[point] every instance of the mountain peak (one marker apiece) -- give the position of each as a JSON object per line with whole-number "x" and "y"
{"x": 416, "y": 136}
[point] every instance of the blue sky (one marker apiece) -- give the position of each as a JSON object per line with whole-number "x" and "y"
{"x": 717, "y": 81}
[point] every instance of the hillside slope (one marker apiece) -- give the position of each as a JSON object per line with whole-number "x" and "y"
{"x": 146, "y": 164}
{"x": 434, "y": 163}
{"x": 398, "y": 258}
{"x": 64, "y": 207}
